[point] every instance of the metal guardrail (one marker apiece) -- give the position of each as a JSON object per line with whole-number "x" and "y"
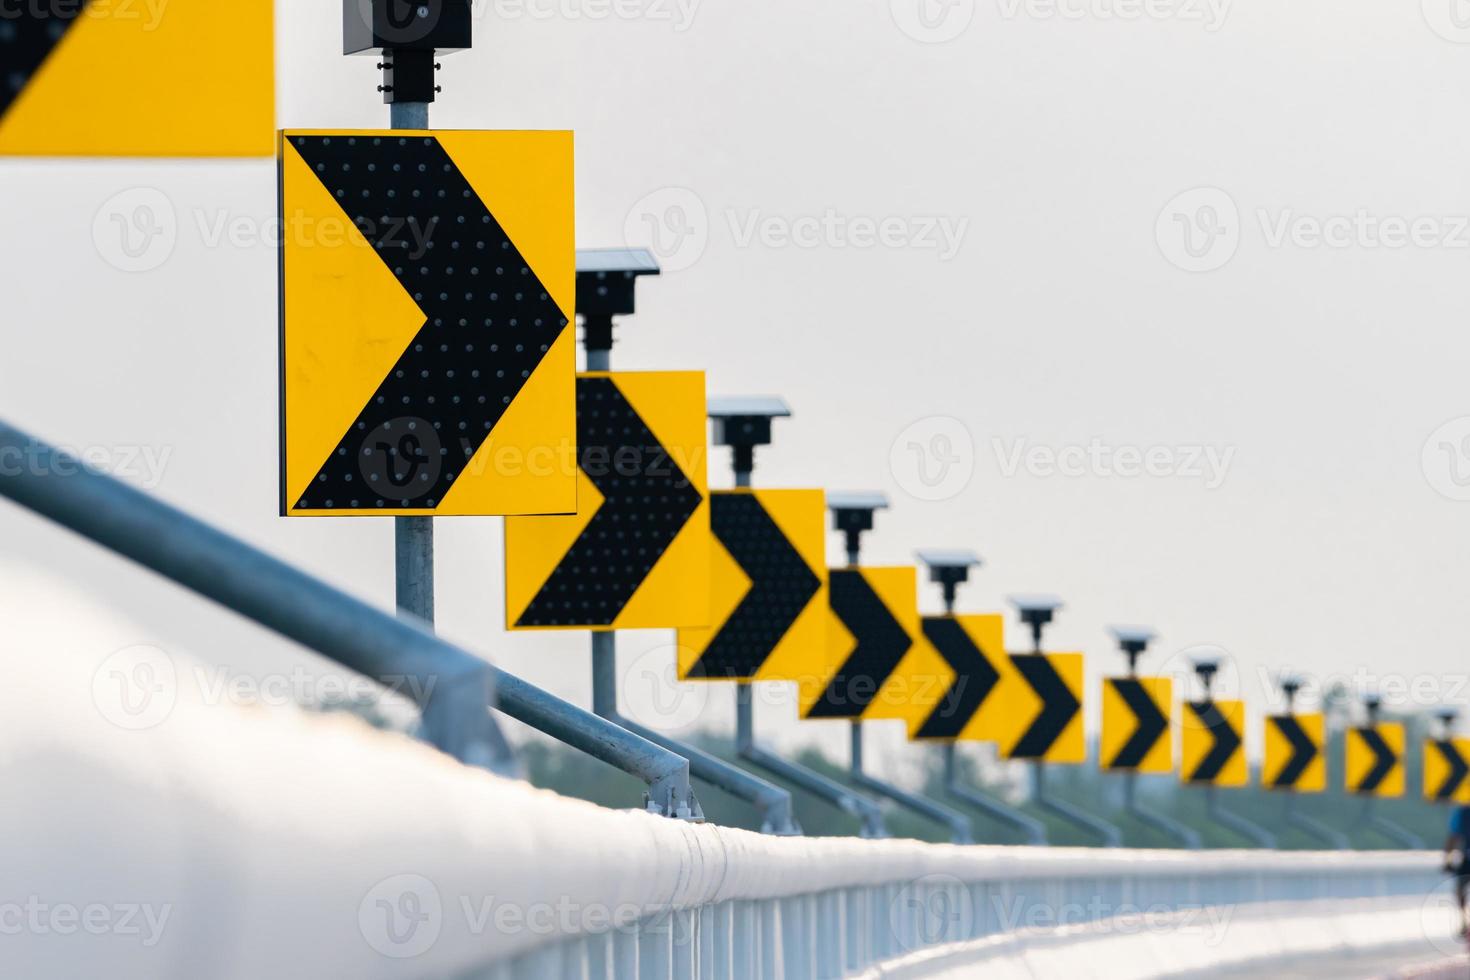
{"x": 296, "y": 605}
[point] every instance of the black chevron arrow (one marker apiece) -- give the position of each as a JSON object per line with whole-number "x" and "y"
{"x": 27, "y": 38}
{"x": 1152, "y": 723}
{"x": 975, "y": 678}
{"x": 488, "y": 321}
{"x": 1384, "y": 760}
{"x": 1459, "y": 769}
{"x": 1058, "y": 705}
{"x": 881, "y": 643}
{"x": 781, "y": 586}
{"x": 1226, "y": 738}
{"x": 647, "y": 501}
{"x": 1303, "y": 751}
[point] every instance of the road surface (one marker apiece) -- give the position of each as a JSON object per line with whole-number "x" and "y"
{"x": 1404, "y": 964}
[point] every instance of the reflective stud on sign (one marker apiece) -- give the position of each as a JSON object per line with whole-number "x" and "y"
{"x": 427, "y": 360}
{"x": 1135, "y": 732}
{"x": 1212, "y": 747}
{"x": 1044, "y": 721}
{"x": 768, "y": 588}
{"x": 1447, "y": 770}
{"x": 636, "y": 554}
{"x": 166, "y": 78}
{"x": 877, "y": 664}
{"x": 972, "y": 707}
{"x": 1294, "y": 756}
{"x": 1375, "y": 760}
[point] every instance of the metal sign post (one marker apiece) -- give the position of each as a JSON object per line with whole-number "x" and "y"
{"x": 853, "y": 515}
{"x": 1304, "y": 751}
{"x": 1134, "y": 641}
{"x": 408, "y": 50}
{"x": 1206, "y": 668}
{"x": 1387, "y": 763}
{"x": 1036, "y": 612}
{"x": 743, "y": 424}
{"x": 606, "y": 280}
{"x": 949, "y": 570}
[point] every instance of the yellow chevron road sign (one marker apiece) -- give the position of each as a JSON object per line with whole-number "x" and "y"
{"x": 427, "y": 286}
{"x": 173, "y": 78}
{"x": 974, "y": 706}
{"x": 1375, "y": 760}
{"x": 636, "y": 554}
{"x": 768, "y": 588}
{"x": 1212, "y": 749}
{"x": 1296, "y": 757}
{"x": 1043, "y": 720}
{"x": 1447, "y": 770}
{"x": 877, "y": 665}
{"x": 1135, "y": 727}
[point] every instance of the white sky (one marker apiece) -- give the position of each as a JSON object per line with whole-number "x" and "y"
{"x": 1054, "y": 142}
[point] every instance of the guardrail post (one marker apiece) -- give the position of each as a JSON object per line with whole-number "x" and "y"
{"x": 796, "y": 936}
{"x": 656, "y": 946}
{"x": 769, "y": 919}
{"x": 684, "y": 941}
{"x": 744, "y": 941}
{"x": 600, "y": 956}
{"x": 830, "y": 941}
{"x": 714, "y": 940}
{"x": 854, "y": 923}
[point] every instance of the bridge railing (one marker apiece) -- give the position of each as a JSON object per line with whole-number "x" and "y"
{"x": 287, "y": 844}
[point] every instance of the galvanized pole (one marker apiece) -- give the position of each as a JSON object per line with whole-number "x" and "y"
{"x": 1036, "y": 612}
{"x": 1134, "y": 641}
{"x": 1206, "y": 669}
{"x": 950, "y": 570}
{"x": 1310, "y": 826}
{"x": 742, "y": 424}
{"x": 959, "y": 825}
{"x": 1374, "y": 704}
{"x": 773, "y": 802}
{"x": 413, "y": 537}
